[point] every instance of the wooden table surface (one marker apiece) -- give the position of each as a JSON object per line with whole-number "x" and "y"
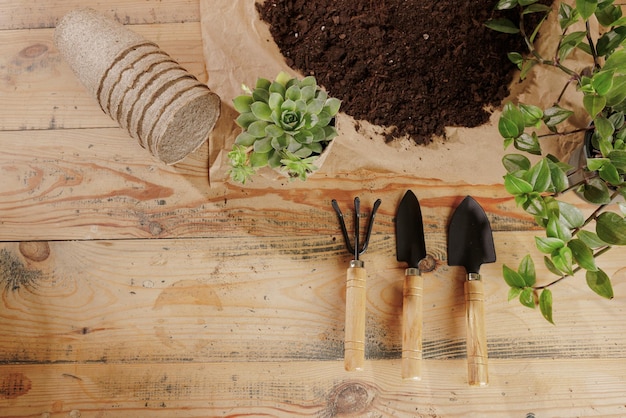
{"x": 131, "y": 288}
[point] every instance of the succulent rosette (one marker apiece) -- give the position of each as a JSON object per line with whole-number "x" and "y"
{"x": 284, "y": 121}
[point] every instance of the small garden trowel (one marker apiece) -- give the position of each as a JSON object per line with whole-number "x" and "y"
{"x": 470, "y": 244}
{"x": 411, "y": 248}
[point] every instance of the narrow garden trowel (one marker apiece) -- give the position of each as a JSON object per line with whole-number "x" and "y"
{"x": 470, "y": 244}
{"x": 411, "y": 248}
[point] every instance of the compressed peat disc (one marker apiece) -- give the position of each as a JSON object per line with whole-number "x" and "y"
{"x": 186, "y": 125}
{"x": 91, "y": 43}
{"x": 122, "y": 73}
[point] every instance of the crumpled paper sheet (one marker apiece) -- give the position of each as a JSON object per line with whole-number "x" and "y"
{"x": 238, "y": 48}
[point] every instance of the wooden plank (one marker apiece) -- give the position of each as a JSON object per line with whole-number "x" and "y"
{"x": 270, "y": 299}
{"x": 39, "y": 90}
{"x": 32, "y": 14}
{"x": 100, "y": 184}
{"x": 313, "y": 389}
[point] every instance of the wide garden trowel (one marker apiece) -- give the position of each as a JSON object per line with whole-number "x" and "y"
{"x": 470, "y": 244}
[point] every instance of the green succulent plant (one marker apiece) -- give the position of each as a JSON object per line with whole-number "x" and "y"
{"x": 572, "y": 241}
{"x": 286, "y": 123}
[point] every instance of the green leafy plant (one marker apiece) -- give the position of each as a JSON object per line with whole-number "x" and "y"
{"x": 286, "y": 123}
{"x": 572, "y": 241}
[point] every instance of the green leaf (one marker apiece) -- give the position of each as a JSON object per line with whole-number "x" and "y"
{"x": 503, "y": 25}
{"x": 511, "y": 122}
{"x": 535, "y": 8}
{"x": 283, "y": 78}
{"x": 591, "y": 239}
{"x": 516, "y": 186}
{"x": 242, "y": 103}
{"x": 274, "y": 131}
{"x": 610, "y": 40}
{"x": 262, "y": 84}
{"x": 527, "y": 298}
{"x": 594, "y": 104}
{"x": 514, "y": 293}
{"x": 600, "y": 283}
{"x": 534, "y": 204}
{"x": 602, "y": 81}
{"x": 554, "y": 115}
{"x": 279, "y": 142}
{"x": 258, "y": 160}
{"x": 618, "y": 159}
{"x": 583, "y": 256}
{"x": 604, "y": 128}
{"x": 526, "y": 67}
{"x": 563, "y": 259}
{"x": 333, "y": 106}
{"x": 609, "y": 173}
{"x": 308, "y": 92}
{"x": 506, "y": 4}
{"x": 595, "y": 164}
{"x": 539, "y": 176}
{"x": 551, "y": 267}
{"x": 277, "y": 87}
{"x": 245, "y": 139}
{"x": 616, "y": 62}
{"x": 528, "y": 143}
{"x": 276, "y": 101}
{"x": 556, "y": 229}
{"x": 570, "y": 215}
{"x": 567, "y": 15}
{"x": 263, "y": 145}
{"x": 617, "y": 94}
{"x": 526, "y": 270}
{"x": 558, "y": 177}
{"x": 532, "y": 114}
{"x": 308, "y": 81}
{"x": 262, "y": 111}
{"x": 611, "y": 228}
{"x": 596, "y": 191}
{"x": 548, "y": 245}
{"x": 260, "y": 95}
{"x": 293, "y": 93}
{"x": 245, "y": 119}
{"x": 608, "y": 14}
{"x": 569, "y": 43}
{"x": 515, "y": 162}
{"x": 516, "y": 58}
{"x": 257, "y": 129}
{"x": 545, "y": 304}
{"x": 586, "y": 8}
{"x": 512, "y": 278}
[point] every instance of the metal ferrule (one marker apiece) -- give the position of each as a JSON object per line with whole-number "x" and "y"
{"x": 473, "y": 276}
{"x": 356, "y": 264}
{"x": 412, "y": 271}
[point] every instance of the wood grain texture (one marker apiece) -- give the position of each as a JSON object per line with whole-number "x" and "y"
{"x": 39, "y": 90}
{"x": 265, "y": 299}
{"x": 477, "y": 356}
{"x": 33, "y": 14}
{"x": 354, "y": 331}
{"x": 412, "y": 326}
{"x": 130, "y": 288}
{"x": 310, "y": 389}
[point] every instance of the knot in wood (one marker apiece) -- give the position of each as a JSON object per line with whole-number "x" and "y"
{"x": 427, "y": 264}
{"x": 35, "y": 250}
{"x": 350, "y": 398}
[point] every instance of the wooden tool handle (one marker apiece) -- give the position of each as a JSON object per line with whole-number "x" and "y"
{"x": 354, "y": 347}
{"x": 476, "y": 334}
{"x": 412, "y": 325}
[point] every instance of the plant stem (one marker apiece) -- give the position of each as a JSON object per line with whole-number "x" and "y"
{"x": 576, "y": 270}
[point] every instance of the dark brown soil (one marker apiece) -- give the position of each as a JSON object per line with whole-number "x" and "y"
{"x": 418, "y": 66}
